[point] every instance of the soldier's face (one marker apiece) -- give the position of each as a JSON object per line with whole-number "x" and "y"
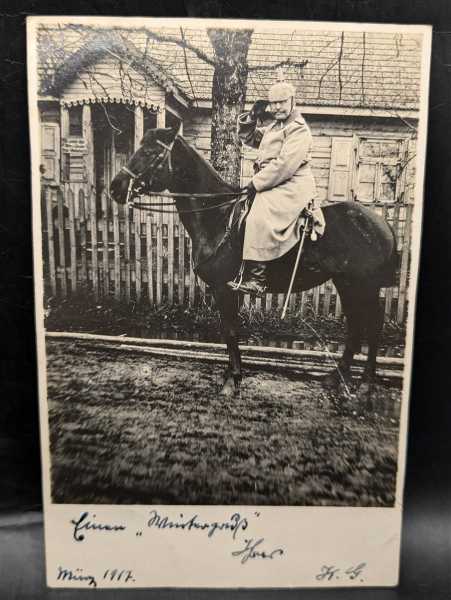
{"x": 281, "y": 108}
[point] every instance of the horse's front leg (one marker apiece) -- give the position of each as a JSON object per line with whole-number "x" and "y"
{"x": 227, "y": 303}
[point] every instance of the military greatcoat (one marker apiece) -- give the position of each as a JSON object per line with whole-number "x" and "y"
{"x": 284, "y": 184}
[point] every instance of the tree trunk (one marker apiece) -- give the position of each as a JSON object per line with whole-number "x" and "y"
{"x": 228, "y": 95}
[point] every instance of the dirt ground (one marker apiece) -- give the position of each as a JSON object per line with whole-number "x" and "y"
{"x": 128, "y": 428}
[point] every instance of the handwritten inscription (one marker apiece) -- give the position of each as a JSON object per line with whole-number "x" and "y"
{"x": 80, "y": 577}
{"x": 84, "y": 523}
{"x": 253, "y": 549}
{"x": 333, "y": 573}
{"x": 235, "y": 524}
{"x": 76, "y": 575}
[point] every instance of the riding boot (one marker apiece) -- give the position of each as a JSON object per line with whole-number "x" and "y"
{"x": 255, "y": 279}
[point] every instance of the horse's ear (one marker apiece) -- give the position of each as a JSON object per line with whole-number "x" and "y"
{"x": 148, "y": 138}
{"x": 169, "y": 133}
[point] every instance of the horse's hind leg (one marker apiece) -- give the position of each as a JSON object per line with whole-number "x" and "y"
{"x": 374, "y": 324}
{"x": 364, "y": 317}
{"x": 227, "y": 303}
{"x": 352, "y": 308}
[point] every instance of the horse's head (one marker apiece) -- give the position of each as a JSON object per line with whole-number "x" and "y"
{"x": 148, "y": 169}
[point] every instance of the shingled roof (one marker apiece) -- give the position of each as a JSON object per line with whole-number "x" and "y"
{"x": 356, "y": 69}
{"x": 378, "y": 70}
{"x": 95, "y": 47}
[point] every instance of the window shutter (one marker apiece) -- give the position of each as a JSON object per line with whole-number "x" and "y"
{"x": 340, "y": 169}
{"x": 50, "y": 151}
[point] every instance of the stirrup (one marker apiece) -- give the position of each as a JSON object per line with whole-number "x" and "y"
{"x": 235, "y": 283}
{"x": 259, "y": 290}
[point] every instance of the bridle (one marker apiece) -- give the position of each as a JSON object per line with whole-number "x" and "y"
{"x": 162, "y": 157}
{"x": 157, "y": 162}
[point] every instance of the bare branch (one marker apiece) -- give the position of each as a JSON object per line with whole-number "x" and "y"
{"x": 288, "y": 62}
{"x": 363, "y": 68}
{"x": 182, "y": 43}
{"x": 186, "y": 67}
{"x": 321, "y": 79}
{"x": 340, "y": 54}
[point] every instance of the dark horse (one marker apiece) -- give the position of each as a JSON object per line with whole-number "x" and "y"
{"x": 357, "y": 251}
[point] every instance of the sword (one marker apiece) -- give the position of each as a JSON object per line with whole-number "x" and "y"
{"x": 296, "y": 265}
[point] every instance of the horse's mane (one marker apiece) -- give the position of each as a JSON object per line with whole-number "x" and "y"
{"x": 205, "y": 164}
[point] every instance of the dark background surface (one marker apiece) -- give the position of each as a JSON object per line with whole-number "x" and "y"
{"x": 426, "y": 543}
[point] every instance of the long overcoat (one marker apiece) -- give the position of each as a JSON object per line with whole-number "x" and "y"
{"x": 284, "y": 184}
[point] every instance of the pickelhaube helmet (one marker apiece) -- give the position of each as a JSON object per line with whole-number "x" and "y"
{"x": 281, "y": 91}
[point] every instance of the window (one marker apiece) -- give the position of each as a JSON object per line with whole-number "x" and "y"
{"x": 368, "y": 169}
{"x": 378, "y": 174}
{"x": 76, "y": 121}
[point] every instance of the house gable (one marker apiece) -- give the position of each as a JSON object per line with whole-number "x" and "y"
{"x": 105, "y": 81}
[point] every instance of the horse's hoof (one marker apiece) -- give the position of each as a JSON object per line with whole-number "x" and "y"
{"x": 366, "y": 396}
{"x": 229, "y": 389}
{"x": 330, "y": 380}
{"x": 366, "y": 388}
{"x": 335, "y": 379}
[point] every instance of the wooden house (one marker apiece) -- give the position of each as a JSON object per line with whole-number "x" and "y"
{"x": 359, "y": 92}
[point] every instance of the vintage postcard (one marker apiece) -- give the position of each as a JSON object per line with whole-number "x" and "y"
{"x": 226, "y": 221}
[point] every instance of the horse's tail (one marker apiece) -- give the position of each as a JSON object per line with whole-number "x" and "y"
{"x": 390, "y": 267}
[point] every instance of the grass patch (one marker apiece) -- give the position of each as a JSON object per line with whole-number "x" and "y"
{"x": 111, "y": 317}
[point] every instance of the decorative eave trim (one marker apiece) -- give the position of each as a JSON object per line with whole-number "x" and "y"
{"x": 111, "y": 100}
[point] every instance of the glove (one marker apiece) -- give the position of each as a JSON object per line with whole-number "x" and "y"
{"x": 251, "y": 191}
{"x": 258, "y": 111}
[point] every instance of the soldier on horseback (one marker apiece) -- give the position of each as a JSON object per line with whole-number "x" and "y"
{"x": 282, "y": 185}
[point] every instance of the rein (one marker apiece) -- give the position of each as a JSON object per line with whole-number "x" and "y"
{"x": 160, "y": 207}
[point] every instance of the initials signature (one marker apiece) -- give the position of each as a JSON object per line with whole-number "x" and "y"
{"x": 333, "y": 573}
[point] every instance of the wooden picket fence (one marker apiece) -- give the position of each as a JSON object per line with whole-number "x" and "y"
{"x": 106, "y": 250}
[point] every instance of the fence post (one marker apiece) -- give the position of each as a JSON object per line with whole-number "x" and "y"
{"x": 117, "y": 252}
{"x": 159, "y": 258}
{"x": 149, "y": 247}
{"x": 127, "y": 250}
{"x": 338, "y": 305}
{"x": 94, "y": 248}
{"x": 181, "y": 277}
{"x": 388, "y": 290}
{"x": 61, "y": 241}
{"x": 327, "y": 297}
{"x": 138, "y": 273}
{"x": 171, "y": 258}
{"x": 192, "y": 277}
{"x": 82, "y": 219}
{"x": 73, "y": 245}
{"x": 106, "y": 266}
{"x": 404, "y": 263}
{"x": 50, "y": 239}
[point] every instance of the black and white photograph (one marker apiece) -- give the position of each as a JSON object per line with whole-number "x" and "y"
{"x": 227, "y": 216}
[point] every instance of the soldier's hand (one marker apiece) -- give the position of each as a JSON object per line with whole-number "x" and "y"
{"x": 251, "y": 191}
{"x": 258, "y": 111}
